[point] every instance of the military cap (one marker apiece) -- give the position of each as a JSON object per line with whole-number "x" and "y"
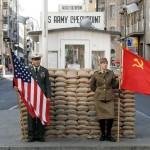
{"x": 103, "y": 60}
{"x": 36, "y": 55}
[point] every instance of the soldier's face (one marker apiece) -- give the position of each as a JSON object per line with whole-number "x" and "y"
{"x": 103, "y": 65}
{"x": 36, "y": 62}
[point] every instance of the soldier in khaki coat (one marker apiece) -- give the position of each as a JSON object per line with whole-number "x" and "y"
{"x": 102, "y": 83}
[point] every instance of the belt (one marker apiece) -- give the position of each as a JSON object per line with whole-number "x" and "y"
{"x": 105, "y": 101}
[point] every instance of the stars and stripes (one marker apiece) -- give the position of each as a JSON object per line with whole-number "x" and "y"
{"x": 30, "y": 92}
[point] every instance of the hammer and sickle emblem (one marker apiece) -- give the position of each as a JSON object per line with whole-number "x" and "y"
{"x": 138, "y": 64}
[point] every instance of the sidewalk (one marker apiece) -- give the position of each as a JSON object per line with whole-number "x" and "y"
{"x": 10, "y": 137}
{"x": 6, "y": 75}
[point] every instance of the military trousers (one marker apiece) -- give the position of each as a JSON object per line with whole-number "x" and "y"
{"x": 35, "y": 128}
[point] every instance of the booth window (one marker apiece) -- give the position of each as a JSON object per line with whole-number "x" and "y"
{"x": 96, "y": 55}
{"x": 53, "y": 59}
{"x": 74, "y": 56}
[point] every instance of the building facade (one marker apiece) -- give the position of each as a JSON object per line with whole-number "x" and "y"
{"x": 13, "y": 33}
{"x": 8, "y": 30}
{"x": 112, "y": 20}
{"x": 134, "y": 27}
{"x": 0, "y": 32}
{"x": 138, "y": 28}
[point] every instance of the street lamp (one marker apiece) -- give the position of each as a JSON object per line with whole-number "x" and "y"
{"x": 23, "y": 20}
{"x": 130, "y": 8}
{"x": 127, "y": 9}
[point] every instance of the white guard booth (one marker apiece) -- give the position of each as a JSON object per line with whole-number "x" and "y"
{"x": 75, "y": 47}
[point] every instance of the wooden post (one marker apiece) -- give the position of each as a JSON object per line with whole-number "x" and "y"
{"x": 118, "y": 130}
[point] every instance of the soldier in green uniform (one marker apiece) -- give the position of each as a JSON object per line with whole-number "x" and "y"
{"x": 102, "y": 83}
{"x": 36, "y": 129}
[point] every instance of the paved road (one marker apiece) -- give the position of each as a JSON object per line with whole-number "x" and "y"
{"x": 8, "y": 98}
{"x": 143, "y": 104}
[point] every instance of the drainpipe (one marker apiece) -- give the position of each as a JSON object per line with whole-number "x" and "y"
{"x": 96, "y": 5}
{"x": 144, "y": 37}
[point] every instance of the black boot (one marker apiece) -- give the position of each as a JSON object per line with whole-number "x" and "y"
{"x": 110, "y": 138}
{"x": 102, "y": 138}
{"x": 102, "y": 127}
{"x": 108, "y": 135}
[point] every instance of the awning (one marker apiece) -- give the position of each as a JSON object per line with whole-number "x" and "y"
{"x": 116, "y": 61}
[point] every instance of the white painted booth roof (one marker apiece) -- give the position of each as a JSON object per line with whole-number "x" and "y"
{"x": 75, "y": 47}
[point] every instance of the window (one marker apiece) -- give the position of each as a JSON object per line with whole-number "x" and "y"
{"x": 122, "y": 30}
{"x": 96, "y": 55}
{"x": 101, "y": 6}
{"x": 112, "y": 13}
{"x": 53, "y": 59}
{"x": 112, "y": 28}
{"x": 5, "y": 4}
{"x": 74, "y": 56}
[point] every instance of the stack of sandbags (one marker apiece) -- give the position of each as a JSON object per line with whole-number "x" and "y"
{"x": 129, "y": 114}
{"x": 71, "y": 123}
{"x": 60, "y": 103}
{"x": 82, "y": 103}
{"x": 50, "y": 131}
{"x": 23, "y": 119}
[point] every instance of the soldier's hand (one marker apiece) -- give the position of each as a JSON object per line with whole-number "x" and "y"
{"x": 119, "y": 77}
{"x": 16, "y": 88}
{"x": 49, "y": 99}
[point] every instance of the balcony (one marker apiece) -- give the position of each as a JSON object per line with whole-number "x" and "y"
{"x": 5, "y": 12}
{"x": 5, "y": 4}
{"x": 6, "y": 36}
{"x": 136, "y": 29}
{"x": 5, "y": 20}
{"x": 5, "y": 27}
{"x": 130, "y": 29}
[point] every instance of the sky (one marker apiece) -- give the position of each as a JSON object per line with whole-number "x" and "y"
{"x": 32, "y": 8}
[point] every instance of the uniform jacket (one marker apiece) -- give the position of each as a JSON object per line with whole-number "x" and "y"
{"x": 42, "y": 79}
{"x": 102, "y": 84}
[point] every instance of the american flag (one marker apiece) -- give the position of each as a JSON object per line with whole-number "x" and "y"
{"x": 31, "y": 94}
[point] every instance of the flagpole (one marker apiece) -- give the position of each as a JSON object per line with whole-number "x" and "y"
{"x": 118, "y": 130}
{"x": 118, "y": 115}
{"x": 21, "y": 117}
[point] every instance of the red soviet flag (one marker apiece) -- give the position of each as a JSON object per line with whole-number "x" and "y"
{"x": 136, "y": 73}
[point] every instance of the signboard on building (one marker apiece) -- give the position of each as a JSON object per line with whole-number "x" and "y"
{"x": 68, "y": 19}
{"x": 132, "y": 44}
{"x": 74, "y": 8}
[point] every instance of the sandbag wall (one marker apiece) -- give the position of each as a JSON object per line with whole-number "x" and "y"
{"x": 23, "y": 119}
{"x": 128, "y": 100}
{"x": 72, "y": 110}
